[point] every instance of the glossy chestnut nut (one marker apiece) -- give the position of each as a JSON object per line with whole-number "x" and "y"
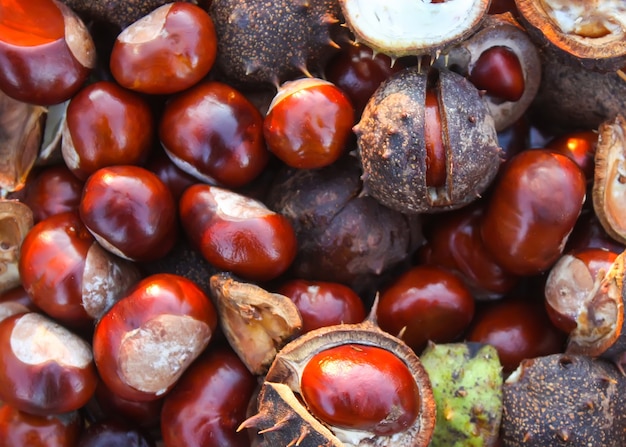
{"x": 523, "y": 228}
{"x": 113, "y": 433}
{"x": 106, "y": 125}
{"x": 174, "y": 178}
{"x": 580, "y": 146}
{"x": 333, "y": 383}
{"x": 209, "y": 403}
{"x": 499, "y": 72}
{"x": 44, "y": 368}
{"x": 425, "y": 303}
{"x": 68, "y": 274}
{"x": 213, "y": 132}
{"x": 19, "y": 429}
{"x": 52, "y": 190}
{"x": 145, "y": 342}
{"x": 358, "y": 72}
{"x": 236, "y": 233}
{"x": 166, "y": 51}
{"x": 130, "y": 212}
{"x": 46, "y": 52}
{"x": 519, "y": 328}
{"x": 453, "y": 241}
{"x": 308, "y": 123}
{"x": 323, "y": 303}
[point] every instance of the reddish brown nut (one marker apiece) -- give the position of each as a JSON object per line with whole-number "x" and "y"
{"x": 425, "y": 303}
{"x": 209, "y": 403}
{"x": 52, "y": 190}
{"x": 522, "y": 228}
{"x": 166, "y": 51}
{"x": 44, "y": 368}
{"x": 147, "y": 340}
{"x": 68, "y": 274}
{"x": 45, "y": 50}
{"x": 213, "y": 132}
{"x": 130, "y": 212}
{"x": 308, "y": 123}
{"x": 106, "y": 125}
{"x": 237, "y": 233}
{"x": 22, "y": 429}
{"x": 580, "y": 146}
{"x": 323, "y": 303}
{"x": 519, "y": 328}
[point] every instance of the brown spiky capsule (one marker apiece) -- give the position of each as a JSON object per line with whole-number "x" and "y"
{"x": 271, "y": 42}
{"x": 564, "y": 400}
{"x": 329, "y": 387}
{"x": 427, "y": 142}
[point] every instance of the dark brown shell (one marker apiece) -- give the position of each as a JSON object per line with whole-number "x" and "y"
{"x": 572, "y": 98}
{"x": 271, "y": 42}
{"x": 567, "y": 400}
{"x": 600, "y": 53}
{"x": 392, "y": 146}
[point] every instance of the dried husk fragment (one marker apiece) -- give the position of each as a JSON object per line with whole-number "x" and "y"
{"x": 16, "y": 219}
{"x": 609, "y": 184}
{"x": 588, "y": 33}
{"x": 21, "y": 130}
{"x": 256, "y": 323}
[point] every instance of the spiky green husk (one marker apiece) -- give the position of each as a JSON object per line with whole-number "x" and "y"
{"x": 467, "y": 384}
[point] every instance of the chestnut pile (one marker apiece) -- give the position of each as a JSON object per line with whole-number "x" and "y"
{"x": 347, "y": 223}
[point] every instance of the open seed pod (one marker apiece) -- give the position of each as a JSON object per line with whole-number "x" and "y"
{"x": 256, "y": 323}
{"x": 504, "y": 34}
{"x": 16, "y": 219}
{"x": 595, "y": 305}
{"x": 408, "y": 27}
{"x": 427, "y": 142}
{"x": 608, "y": 184}
{"x": 347, "y": 385}
{"x": 591, "y": 33}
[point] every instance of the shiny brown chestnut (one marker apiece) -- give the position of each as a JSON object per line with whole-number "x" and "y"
{"x": 44, "y": 368}
{"x": 166, "y": 51}
{"x": 147, "y": 340}
{"x": 533, "y": 209}
{"x": 106, "y": 125}
{"x": 237, "y": 233}
{"x": 18, "y": 428}
{"x": 213, "y": 132}
{"x": 209, "y": 403}
{"x": 46, "y": 51}
{"x": 68, "y": 274}
{"x": 130, "y": 212}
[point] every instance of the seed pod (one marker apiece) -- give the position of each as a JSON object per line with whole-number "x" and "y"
{"x": 567, "y": 400}
{"x": 376, "y": 373}
{"x": 467, "y": 384}
{"x": 427, "y": 142}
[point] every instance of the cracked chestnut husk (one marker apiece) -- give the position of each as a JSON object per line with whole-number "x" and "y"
{"x": 587, "y": 33}
{"x": 564, "y": 400}
{"x": 412, "y": 28}
{"x": 343, "y": 236}
{"x": 345, "y": 386}
{"x": 16, "y": 220}
{"x": 609, "y": 181}
{"x": 500, "y": 33}
{"x": 427, "y": 142}
{"x": 591, "y": 304}
{"x": 256, "y": 323}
